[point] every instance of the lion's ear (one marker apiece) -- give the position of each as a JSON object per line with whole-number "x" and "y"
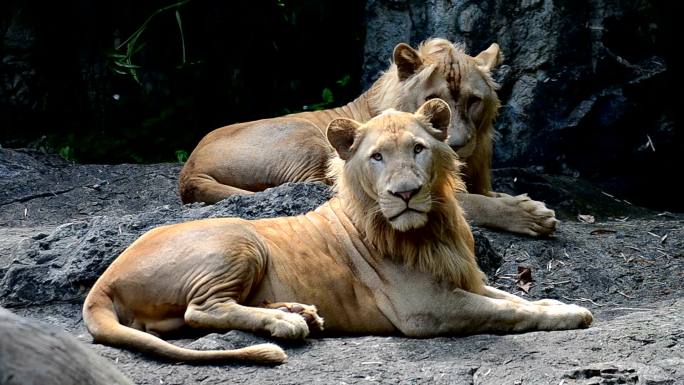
{"x": 341, "y": 133}
{"x": 489, "y": 58}
{"x": 407, "y": 60}
{"x": 437, "y": 113}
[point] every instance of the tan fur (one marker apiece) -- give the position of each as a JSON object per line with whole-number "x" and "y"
{"x": 247, "y": 157}
{"x": 391, "y": 253}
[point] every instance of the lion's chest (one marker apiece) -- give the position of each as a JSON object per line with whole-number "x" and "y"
{"x": 307, "y": 264}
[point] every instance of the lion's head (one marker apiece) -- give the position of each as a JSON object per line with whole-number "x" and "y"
{"x": 440, "y": 69}
{"x": 396, "y": 160}
{"x": 397, "y": 177}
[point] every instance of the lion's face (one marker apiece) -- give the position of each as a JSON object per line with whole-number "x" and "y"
{"x": 439, "y": 69}
{"x": 392, "y": 158}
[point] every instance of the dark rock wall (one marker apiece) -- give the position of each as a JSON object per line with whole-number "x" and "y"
{"x": 584, "y": 84}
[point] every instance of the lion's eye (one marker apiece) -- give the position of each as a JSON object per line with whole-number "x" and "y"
{"x": 418, "y": 148}
{"x": 473, "y": 100}
{"x": 377, "y": 156}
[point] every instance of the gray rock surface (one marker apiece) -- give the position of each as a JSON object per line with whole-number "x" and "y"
{"x": 585, "y": 85}
{"x": 34, "y": 353}
{"x": 628, "y": 269}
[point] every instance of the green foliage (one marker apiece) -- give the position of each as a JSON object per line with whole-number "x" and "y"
{"x": 327, "y": 96}
{"x": 181, "y": 156}
{"x": 67, "y": 153}
{"x": 121, "y": 60}
{"x": 344, "y": 81}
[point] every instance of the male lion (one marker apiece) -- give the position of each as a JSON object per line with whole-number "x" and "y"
{"x": 390, "y": 253}
{"x": 247, "y": 157}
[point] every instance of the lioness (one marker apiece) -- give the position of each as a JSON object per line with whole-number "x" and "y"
{"x": 246, "y": 157}
{"x": 390, "y": 253}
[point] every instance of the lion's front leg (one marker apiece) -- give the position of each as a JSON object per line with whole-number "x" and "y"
{"x": 480, "y": 314}
{"x": 517, "y": 214}
{"x": 463, "y": 312}
{"x": 230, "y": 315}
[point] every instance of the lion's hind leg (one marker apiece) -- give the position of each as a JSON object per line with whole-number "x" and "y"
{"x": 308, "y": 312}
{"x": 230, "y": 315}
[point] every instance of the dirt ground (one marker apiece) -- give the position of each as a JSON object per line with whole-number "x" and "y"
{"x": 61, "y": 223}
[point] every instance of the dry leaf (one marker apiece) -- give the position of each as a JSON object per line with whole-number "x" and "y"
{"x": 524, "y": 279}
{"x": 602, "y": 231}
{"x": 586, "y": 218}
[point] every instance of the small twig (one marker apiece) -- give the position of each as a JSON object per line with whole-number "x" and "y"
{"x": 663, "y": 253}
{"x": 557, "y": 282}
{"x": 663, "y": 238}
{"x": 625, "y": 295}
{"x": 654, "y": 235}
{"x": 629, "y": 308}
{"x": 583, "y": 300}
{"x": 508, "y": 278}
{"x": 650, "y": 142}
{"x": 633, "y": 248}
{"x": 638, "y": 259}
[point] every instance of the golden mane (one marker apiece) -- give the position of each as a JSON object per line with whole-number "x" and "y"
{"x": 429, "y": 249}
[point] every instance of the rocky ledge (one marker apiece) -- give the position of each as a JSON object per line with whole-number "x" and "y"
{"x": 62, "y": 224}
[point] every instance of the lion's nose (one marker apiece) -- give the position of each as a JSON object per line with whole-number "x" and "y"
{"x": 405, "y": 195}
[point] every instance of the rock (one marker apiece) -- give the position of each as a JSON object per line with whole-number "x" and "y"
{"x": 665, "y": 373}
{"x": 62, "y": 265}
{"x": 630, "y": 279}
{"x": 32, "y": 353}
{"x": 584, "y": 84}
{"x": 567, "y": 195}
{"x": 45, "y": 189}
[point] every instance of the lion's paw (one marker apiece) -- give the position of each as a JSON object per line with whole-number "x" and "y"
{"x": 308, "y": 312}
{"x": 290, "y": 326}
{"x": 530, "y": 217}
{"x": 563, "y": 317}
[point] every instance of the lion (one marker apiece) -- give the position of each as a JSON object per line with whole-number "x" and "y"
{"x": 390, "y": 253}
{"x": 246, "y": 157}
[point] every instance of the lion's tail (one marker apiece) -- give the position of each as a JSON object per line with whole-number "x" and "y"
{"x": 103, "y": 323}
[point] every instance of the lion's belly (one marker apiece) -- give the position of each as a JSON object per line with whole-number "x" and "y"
{"x": 256, "y": 155}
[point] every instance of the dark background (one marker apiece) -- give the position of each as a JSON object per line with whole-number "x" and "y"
{"x": 585, "y": 84}
{"x": 244, "y": 60}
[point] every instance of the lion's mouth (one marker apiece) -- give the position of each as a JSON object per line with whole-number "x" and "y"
{"x": 406, "y": 210}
